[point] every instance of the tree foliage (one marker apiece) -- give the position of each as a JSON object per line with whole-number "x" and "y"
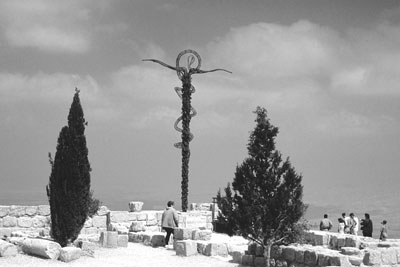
{"x": 68, "y": 190}
{"x": 266, "y": 205}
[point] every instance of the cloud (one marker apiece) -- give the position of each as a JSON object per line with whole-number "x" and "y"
{"x": 55, "y": 26}
{"x": 276, "y": 51}
{"x": 345, "y": 123}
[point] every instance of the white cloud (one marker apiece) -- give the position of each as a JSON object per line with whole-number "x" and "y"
{"x": 56, "y": 26}
{"x": 271, "y": 50}
{"x": 347, "y": 123}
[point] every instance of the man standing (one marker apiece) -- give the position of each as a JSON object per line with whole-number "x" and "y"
{"x": 325, "y": 224}
{"x": 354, "y": 224}
{"x": 169, "y": 220}
{"x": 366, "y": 225}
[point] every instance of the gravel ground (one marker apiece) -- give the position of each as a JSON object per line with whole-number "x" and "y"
{"x": 135, "y": 255}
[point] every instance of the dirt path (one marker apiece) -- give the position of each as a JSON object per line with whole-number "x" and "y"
{"x": 135, "y": 255}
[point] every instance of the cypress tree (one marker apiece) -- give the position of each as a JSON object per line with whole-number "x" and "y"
{"x": 68, "y": 190}
{"x": 267, "y": 205}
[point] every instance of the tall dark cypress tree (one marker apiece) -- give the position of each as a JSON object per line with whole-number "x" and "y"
{"x": 267, "y": 203}
{"x": 69, "y": 184}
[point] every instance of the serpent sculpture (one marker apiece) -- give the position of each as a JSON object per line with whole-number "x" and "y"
{"x": 185, "y": 93}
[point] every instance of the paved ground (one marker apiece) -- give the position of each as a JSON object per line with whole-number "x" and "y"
{"x": 135, "y": 255}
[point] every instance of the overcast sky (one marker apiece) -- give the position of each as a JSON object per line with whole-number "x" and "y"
{"x": 328, "y": 72}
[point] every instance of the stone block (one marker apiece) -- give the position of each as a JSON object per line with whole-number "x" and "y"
{"x": 157, "y": 240}
{"x": 122, "y": 240}
{"x": 333, "y": 242}
{"x": 5, "y": 232}
{"x": 323, "y": 259}
{"x": 43, "y": 210}
{"x": 389, "y": 256}
{"x": 99, "y": 221}
{"x": 339, "y": 260}
{"x": 350, "y": 251}
{"x": 259, "y": 261}
{"x": 237, "y": 256}
{"x": 186, "y": 248}
{"x": 109, "y": 239}
{"x": 9, "y": 221}
{"x": 299, "y": 255}
{"x": 397, "y": 249}
{"x": 355, "y": 260}
{"x": 147, "y": 238}
{"x": 201, "y": 235}
{"x": 152, "y": 228}
{"x": 88, "y": 248}
{"x": 118, "y": 227}
{"x": 201, "y": 246}
{"x": 135, "y": 237}
{"x": 352, "y": 241}
{"x": 135, "y": 206}
{"x": 7, "y": 249}
{"x": 310, "y": 257}
{"x": 119, "y": 216}
{"x": 141, "y": 216}
{"x": 182, "y": 233}
{"x": 137, "y": 226}
{"x": 24, "y": 222}
{"x": 152, "y": 222}
{"x": 132, "y": 216}
{"x": 39, "y": 221}
{"x": 372, "y": 257}
{"x": 216, "y": 249}
{"x": 88, "y": 222}
{"x": 341, "y": 241}
{"x": 289, "y": 253}
{"x": 102, "y": 211}
{"x": 31, "y": 210}
{"x": 17, "y": 211}
{"x": 248, "y": 260}
{"x": 42, "y": 248}
{"x": 321, "y": 238}
{"x": 4, "y": 210}
{"x": 251, "y": 248}
{"x": 68, "y": 254}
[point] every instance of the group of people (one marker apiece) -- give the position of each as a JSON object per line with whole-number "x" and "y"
{"x": 351, "y": 225}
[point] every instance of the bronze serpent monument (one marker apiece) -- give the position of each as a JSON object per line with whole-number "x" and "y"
{"x": 185, "y": 92}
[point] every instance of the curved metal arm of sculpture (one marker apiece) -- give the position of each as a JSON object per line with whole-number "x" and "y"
{"x": 193, "y": 113}
{"x": 196, "y": 71}
{"x": 160, "y": 62}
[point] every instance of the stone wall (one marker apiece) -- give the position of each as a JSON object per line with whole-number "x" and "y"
{"x": 24, "y": 218}
{"x": 36, "y": 219}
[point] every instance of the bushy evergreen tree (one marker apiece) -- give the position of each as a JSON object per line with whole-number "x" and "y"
{"x": 267, "y": 205}
{"x": 69, "y": 184}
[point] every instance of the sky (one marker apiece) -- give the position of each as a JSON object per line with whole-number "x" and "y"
{"x": 328, "y": 72}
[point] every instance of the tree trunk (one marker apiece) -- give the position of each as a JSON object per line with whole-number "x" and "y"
{"x": 186, "y": 107}
{"x": 267, "y": 255}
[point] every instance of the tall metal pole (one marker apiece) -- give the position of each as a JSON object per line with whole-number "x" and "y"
{"x": 185, "y": 93}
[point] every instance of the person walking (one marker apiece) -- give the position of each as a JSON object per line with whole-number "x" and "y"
{"x": 366, "y": 225}
{"x": 325, "y": 224}
{"x": 383, "y": 236}
{"x": 169, "y": 220}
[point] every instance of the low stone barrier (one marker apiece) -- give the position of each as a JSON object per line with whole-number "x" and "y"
{"x": 36, "y": 219}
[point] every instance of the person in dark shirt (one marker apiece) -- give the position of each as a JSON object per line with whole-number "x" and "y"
{"x": 169, "y": 220}
{"x": 366, "y": 225}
